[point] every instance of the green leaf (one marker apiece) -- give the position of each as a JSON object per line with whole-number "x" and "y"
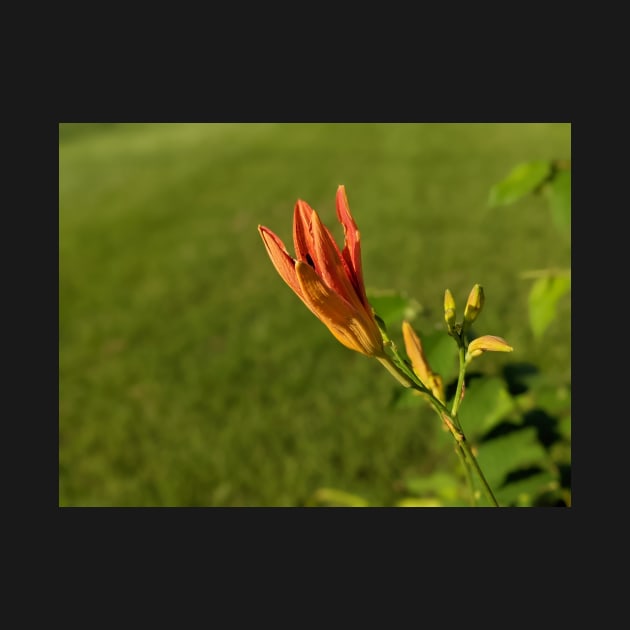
{"x": 521, "y": 181}
{"x": 564, "y": 427}
{"x": 486, "y": 402}
{"x": 524, "y": 491}
{"x": 543, "y": 300}
{"x": 554, "y": 399}
{"x": 393, "y": 307}
{"x": 560, "y": 452}
{"x": 501, "y": 455}
{"x": 559, "y": 195}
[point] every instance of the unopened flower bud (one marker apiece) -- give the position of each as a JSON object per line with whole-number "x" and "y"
{"x": 474, "y": 304}
{"x": 419, "y": 363}
{"x": 449, "y": 310}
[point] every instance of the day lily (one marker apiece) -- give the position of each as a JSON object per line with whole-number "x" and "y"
{"x": 327, "y": 280}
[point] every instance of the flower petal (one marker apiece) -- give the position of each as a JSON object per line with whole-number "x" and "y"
{"x": 302, "y": 237}
{"x": 350, "y": 326}
{"x": 329, "y": 265}
{"x": 352, "y": 246}
{"x": 281, "y": 259}
{"x": 488, "y": 343}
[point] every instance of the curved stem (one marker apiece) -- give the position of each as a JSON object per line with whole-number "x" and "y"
{"x": 473, "y": 461}
{"x": 395, "y": 371}
{"x": 408, "y": 379}
{"x": 471, "y": 486}
{"x": 458, "y": 434}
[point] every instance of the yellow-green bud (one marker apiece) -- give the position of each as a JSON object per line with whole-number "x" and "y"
{"x": 474, "y": 304}
{"x": 487, "y": 343}
{"x": 449, "y": 310}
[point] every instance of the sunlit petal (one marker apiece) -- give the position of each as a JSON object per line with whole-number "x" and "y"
{"x": 281, "y": 259}
{"x": 302, "y": 236}
{"x": 329, "y": 265}
{"x": 350, "y": 326}
{"x": 488, "y": 343}
{"x": 352, "y": 246}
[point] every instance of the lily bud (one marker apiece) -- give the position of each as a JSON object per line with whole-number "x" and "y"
{"x": 419, "y": 363}
{"x": 474, "y": 304}
{"x": 449, "y": 310}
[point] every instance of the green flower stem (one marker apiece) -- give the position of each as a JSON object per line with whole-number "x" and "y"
{"x": 469, "y": 479}
{"x": 404, "y": 380}
{"x": 460, "y": 383}
{"x": 459, "y": 436}
{"x": 462, "y": 345}
{"x": 486, "y": 485}
{"x": 399, "y": 370}
{"x": 455, "y": 408}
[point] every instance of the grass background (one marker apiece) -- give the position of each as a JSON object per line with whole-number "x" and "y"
{"x": 191, "y": 375}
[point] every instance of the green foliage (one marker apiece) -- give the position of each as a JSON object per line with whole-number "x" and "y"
{"x": 501, "y": 455}
{"x": 486, "y": 402}
{"x": 442, "y": 487}
{"x": 534, "y": 489}
{"x": 553, "y": 179}
{"x": 522, "y": 180}
{"x": 522, "y": 441}
{"x": 559, "y": 195}
{"x": 543, "y": 300}
{"x": 523, "y": 445}
{"x": 392, "y": 307}
{"x": 438, "y": 347}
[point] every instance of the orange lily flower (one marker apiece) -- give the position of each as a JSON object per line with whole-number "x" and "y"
{"x": 327, "y": 280}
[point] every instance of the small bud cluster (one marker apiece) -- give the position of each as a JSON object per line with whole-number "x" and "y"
{"x": 474, "y": 304}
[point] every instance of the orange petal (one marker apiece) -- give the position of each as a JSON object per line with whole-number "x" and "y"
{"x": 329, "y": 265}
{"x": 281, "y": 259}
{"x": 302, "y": 237}
{"x": 350, "y": 326}
{"x": 352, "y": 246}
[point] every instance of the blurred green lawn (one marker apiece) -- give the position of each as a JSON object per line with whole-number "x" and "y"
{"x": 191, "y": 375}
